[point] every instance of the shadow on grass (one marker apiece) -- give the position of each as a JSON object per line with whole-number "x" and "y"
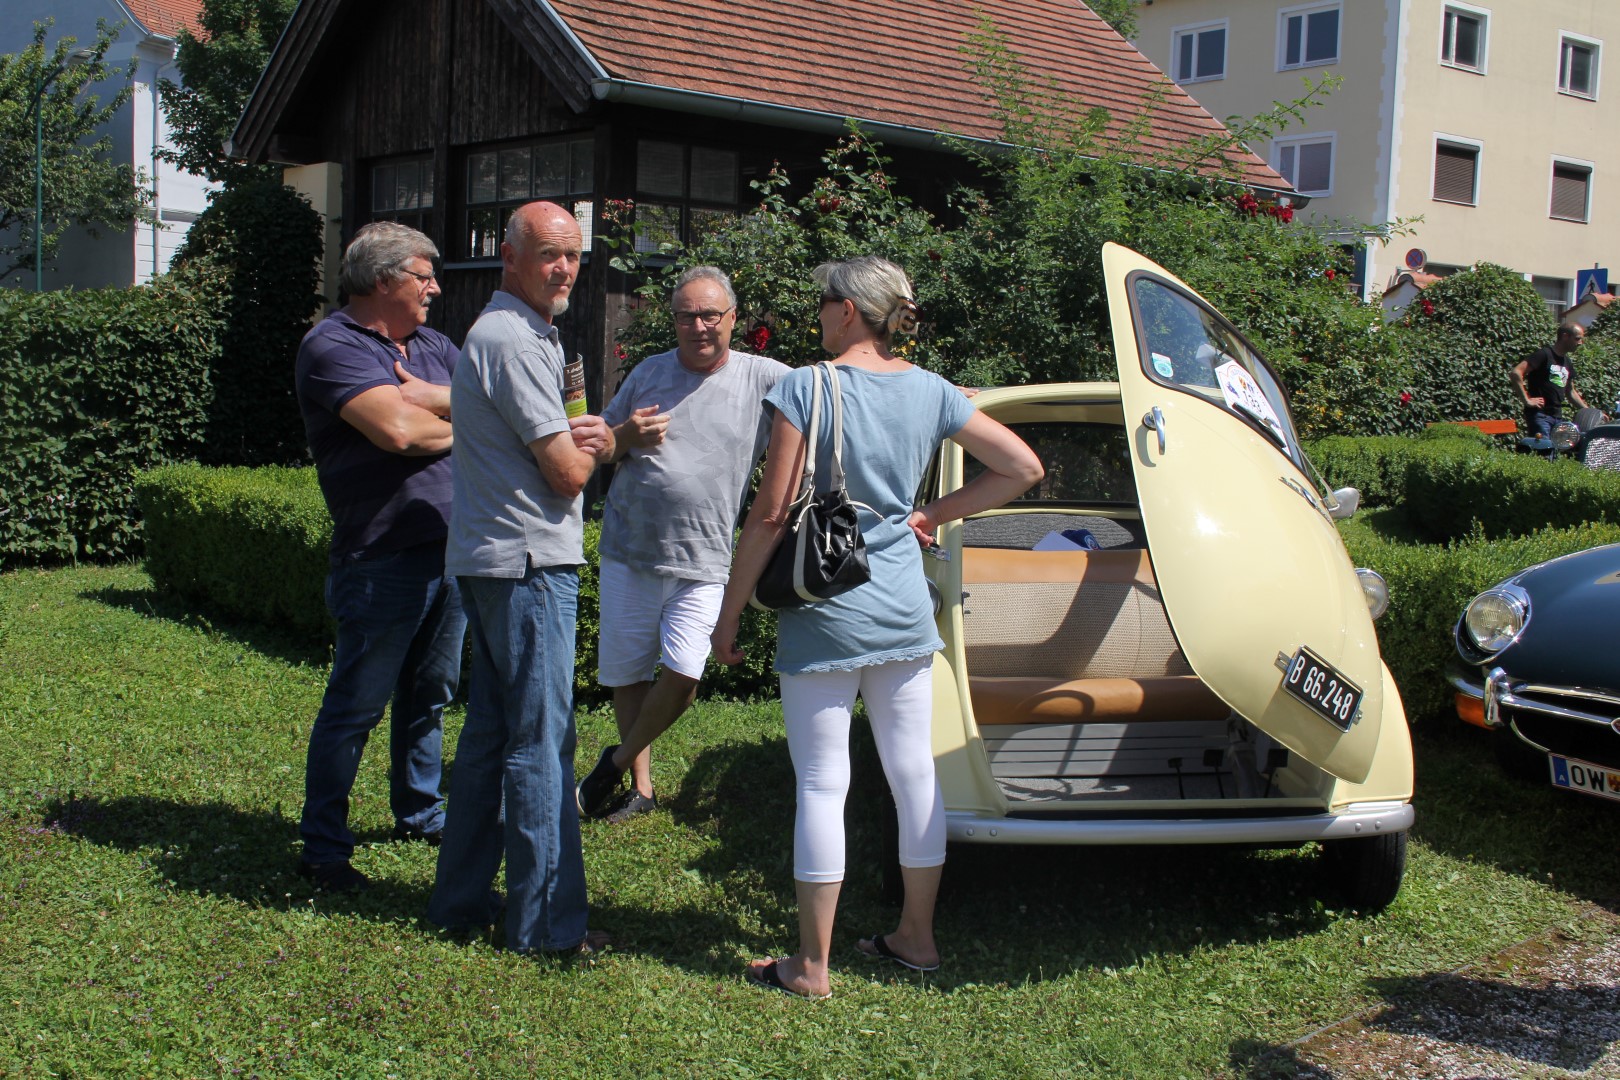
{"x": 1006, "y": 914}
{"x": 1468, "y": 808}
{"x": 290, "y": 646}
{"x": 1255, "y": 1060}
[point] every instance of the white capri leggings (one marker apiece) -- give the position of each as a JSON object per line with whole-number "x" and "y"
{"x": 816, "y": 707}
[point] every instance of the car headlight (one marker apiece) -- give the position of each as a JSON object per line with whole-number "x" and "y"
{"x": 1496, "y": 617}
{"x": 1374, "y": 589}
{"x": 1565, "y": 435}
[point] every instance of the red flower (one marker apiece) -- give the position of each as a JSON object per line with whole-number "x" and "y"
{"x": 1428, "y": 308}
{"x": 1406, "y": 397}
{"x": 1248, "y": 204}
{"x": 757, "y": 338}
{"x": 1330, "y": 274}
{"x": 618, "y": 351}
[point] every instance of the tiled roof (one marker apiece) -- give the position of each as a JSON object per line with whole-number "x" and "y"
{"x": 897, "y": 62}
{"x": 167, "y": 18}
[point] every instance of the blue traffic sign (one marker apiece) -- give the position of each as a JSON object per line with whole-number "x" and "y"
{"x": 1595, "y": 280}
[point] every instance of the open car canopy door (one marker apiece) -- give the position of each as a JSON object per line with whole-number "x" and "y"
{"x": 1258, "y": 586}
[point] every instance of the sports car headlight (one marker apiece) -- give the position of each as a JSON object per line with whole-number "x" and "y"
{"x": 1374, "y": 589}
{"x": 1496, "y": 617}
{"x": 1565, "y": 435}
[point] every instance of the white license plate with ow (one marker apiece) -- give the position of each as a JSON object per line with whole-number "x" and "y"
{"x": 1580, "y": 775}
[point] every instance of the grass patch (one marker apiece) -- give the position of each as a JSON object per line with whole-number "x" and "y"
{"x": 151, "y": 923}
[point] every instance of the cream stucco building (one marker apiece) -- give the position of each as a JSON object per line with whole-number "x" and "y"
{"x": 1487, "y": 120}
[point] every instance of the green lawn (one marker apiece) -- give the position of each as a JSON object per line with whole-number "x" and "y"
{"x": 151, "y": 923}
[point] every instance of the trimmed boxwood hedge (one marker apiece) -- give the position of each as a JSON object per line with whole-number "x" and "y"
{"x": 252, "y": 543}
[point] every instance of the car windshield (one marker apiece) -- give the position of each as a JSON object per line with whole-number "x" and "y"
{"x": 1187, "y": 346}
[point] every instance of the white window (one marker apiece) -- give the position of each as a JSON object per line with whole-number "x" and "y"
{"x": 1462, "y": 37}
{"x": 1306, "y": 161}
{"x": 1308, "y": 36}
{"x": 1456, "y": 170}
{"x": 1198, "y": 53}
{"x": 1554, "y": 293}
{"x": 1571, "y": 190}
{"x": 1578, "y": 66}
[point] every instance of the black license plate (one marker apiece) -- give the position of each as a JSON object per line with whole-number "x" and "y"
{"x": 1326, "y": 692}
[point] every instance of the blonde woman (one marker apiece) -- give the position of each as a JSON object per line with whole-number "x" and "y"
{"x": 877, "y": 641}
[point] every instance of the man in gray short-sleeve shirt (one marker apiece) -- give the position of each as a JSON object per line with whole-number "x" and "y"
{"x": 515, "y": 548}
{"x": 688, "y": 428}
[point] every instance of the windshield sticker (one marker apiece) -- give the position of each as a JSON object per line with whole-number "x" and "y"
{"x": 1164, "y": 366}
{"x": 1244, "y": 395}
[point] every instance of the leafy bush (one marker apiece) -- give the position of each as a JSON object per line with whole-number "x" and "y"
{"x": 248, "y": 542}
{"x": 1464, "y": 334}
{"x": 96, "y": 385}
{"x": 264, "y": 240}
{"x": 1430, "y": 584}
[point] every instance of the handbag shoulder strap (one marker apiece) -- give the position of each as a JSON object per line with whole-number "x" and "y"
{"x": 807, "y": 479}
{"x": 836, "y": 392}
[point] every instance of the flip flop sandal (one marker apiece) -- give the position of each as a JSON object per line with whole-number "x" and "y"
{"x": 880, "y": 951}
{"x": 768, "y": 978}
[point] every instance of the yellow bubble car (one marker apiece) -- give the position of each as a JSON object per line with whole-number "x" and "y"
{"x": 1165, "y": 641}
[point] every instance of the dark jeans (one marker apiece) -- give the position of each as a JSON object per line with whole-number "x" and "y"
{"x": 1538, "y": 424}
{"x": 512, "y": 788}
{"x": 400, "y": 629}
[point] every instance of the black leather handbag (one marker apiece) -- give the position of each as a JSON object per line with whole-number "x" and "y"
{"x": 822, "y": 553}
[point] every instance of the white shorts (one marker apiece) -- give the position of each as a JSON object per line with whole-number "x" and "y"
{"x": 647, "y": 618}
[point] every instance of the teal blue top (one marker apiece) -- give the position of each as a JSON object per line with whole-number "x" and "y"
{"x": 894, "y": 421}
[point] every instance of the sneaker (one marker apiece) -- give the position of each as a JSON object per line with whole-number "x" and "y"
{"x": 632, "y": 804}
{"x": 337, "y": 877}
{"x": 595, "y": 793}
{"x": 404, "y": 833}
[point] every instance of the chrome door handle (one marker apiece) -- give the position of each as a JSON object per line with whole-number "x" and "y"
{"x": 1154, "y": 421}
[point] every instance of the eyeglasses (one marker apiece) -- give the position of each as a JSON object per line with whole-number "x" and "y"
{"x": 423, "y": 278}
{"x": 707, "y": 318}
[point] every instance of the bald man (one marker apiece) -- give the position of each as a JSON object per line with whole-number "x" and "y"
{"x": 515, "y": 548}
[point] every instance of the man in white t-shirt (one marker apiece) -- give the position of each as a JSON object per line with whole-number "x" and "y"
{"x": 688, "y": 429}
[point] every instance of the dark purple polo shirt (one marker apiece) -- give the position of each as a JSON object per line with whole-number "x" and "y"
{"x": 380, "y": 502}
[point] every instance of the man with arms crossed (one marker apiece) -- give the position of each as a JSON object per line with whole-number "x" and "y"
{"x": 688, "y": 428}
{"x": 515, "y": 547}
{"x": 373, "y": 386}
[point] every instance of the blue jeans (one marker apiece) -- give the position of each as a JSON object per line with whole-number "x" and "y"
{"x": 512, "y": 787}
{"x": 1538, "y": 424}
{"x": 400, "y": 629}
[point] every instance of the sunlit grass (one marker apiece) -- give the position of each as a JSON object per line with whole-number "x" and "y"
{"x": 151, "y": 923}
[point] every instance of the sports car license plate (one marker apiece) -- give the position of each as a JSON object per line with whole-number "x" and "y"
{"x": 1326, "y": 692}
{"x": 1584, "y": 776}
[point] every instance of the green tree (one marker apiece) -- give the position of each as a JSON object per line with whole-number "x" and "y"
{"x": 219, "y": 71}
{"x": 1120, "y": 14}
{"x": 80, "y": 186}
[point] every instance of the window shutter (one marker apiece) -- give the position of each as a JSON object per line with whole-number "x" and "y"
{"x": 1569, "y": 192}
{"x": 1454, "y": 173}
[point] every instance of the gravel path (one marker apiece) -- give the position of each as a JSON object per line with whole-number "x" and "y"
{"x": 1547, "y": 1008}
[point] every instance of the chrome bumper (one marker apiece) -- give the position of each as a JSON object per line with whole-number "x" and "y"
{"x": 1356, "y": 820}
{"x": 1499, "y": 692}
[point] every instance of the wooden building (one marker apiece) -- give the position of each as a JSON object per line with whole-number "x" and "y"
{"x": 447, "y": 114}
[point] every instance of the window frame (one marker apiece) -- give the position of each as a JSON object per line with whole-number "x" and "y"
{"x": 1331, "y": 138}
{"x": 1483, "y": 15}
{"x": 1559, "y": 161}
{"x": 1458, "y": 142}
{"x": 687, "y": 207}
{"x": 417, "y": 217}
{"x": 575, "y": 201}
{"x": 1568, "y": 39}
{"x": 1303, "y": 12}
{"x": 1196, "y": 32}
